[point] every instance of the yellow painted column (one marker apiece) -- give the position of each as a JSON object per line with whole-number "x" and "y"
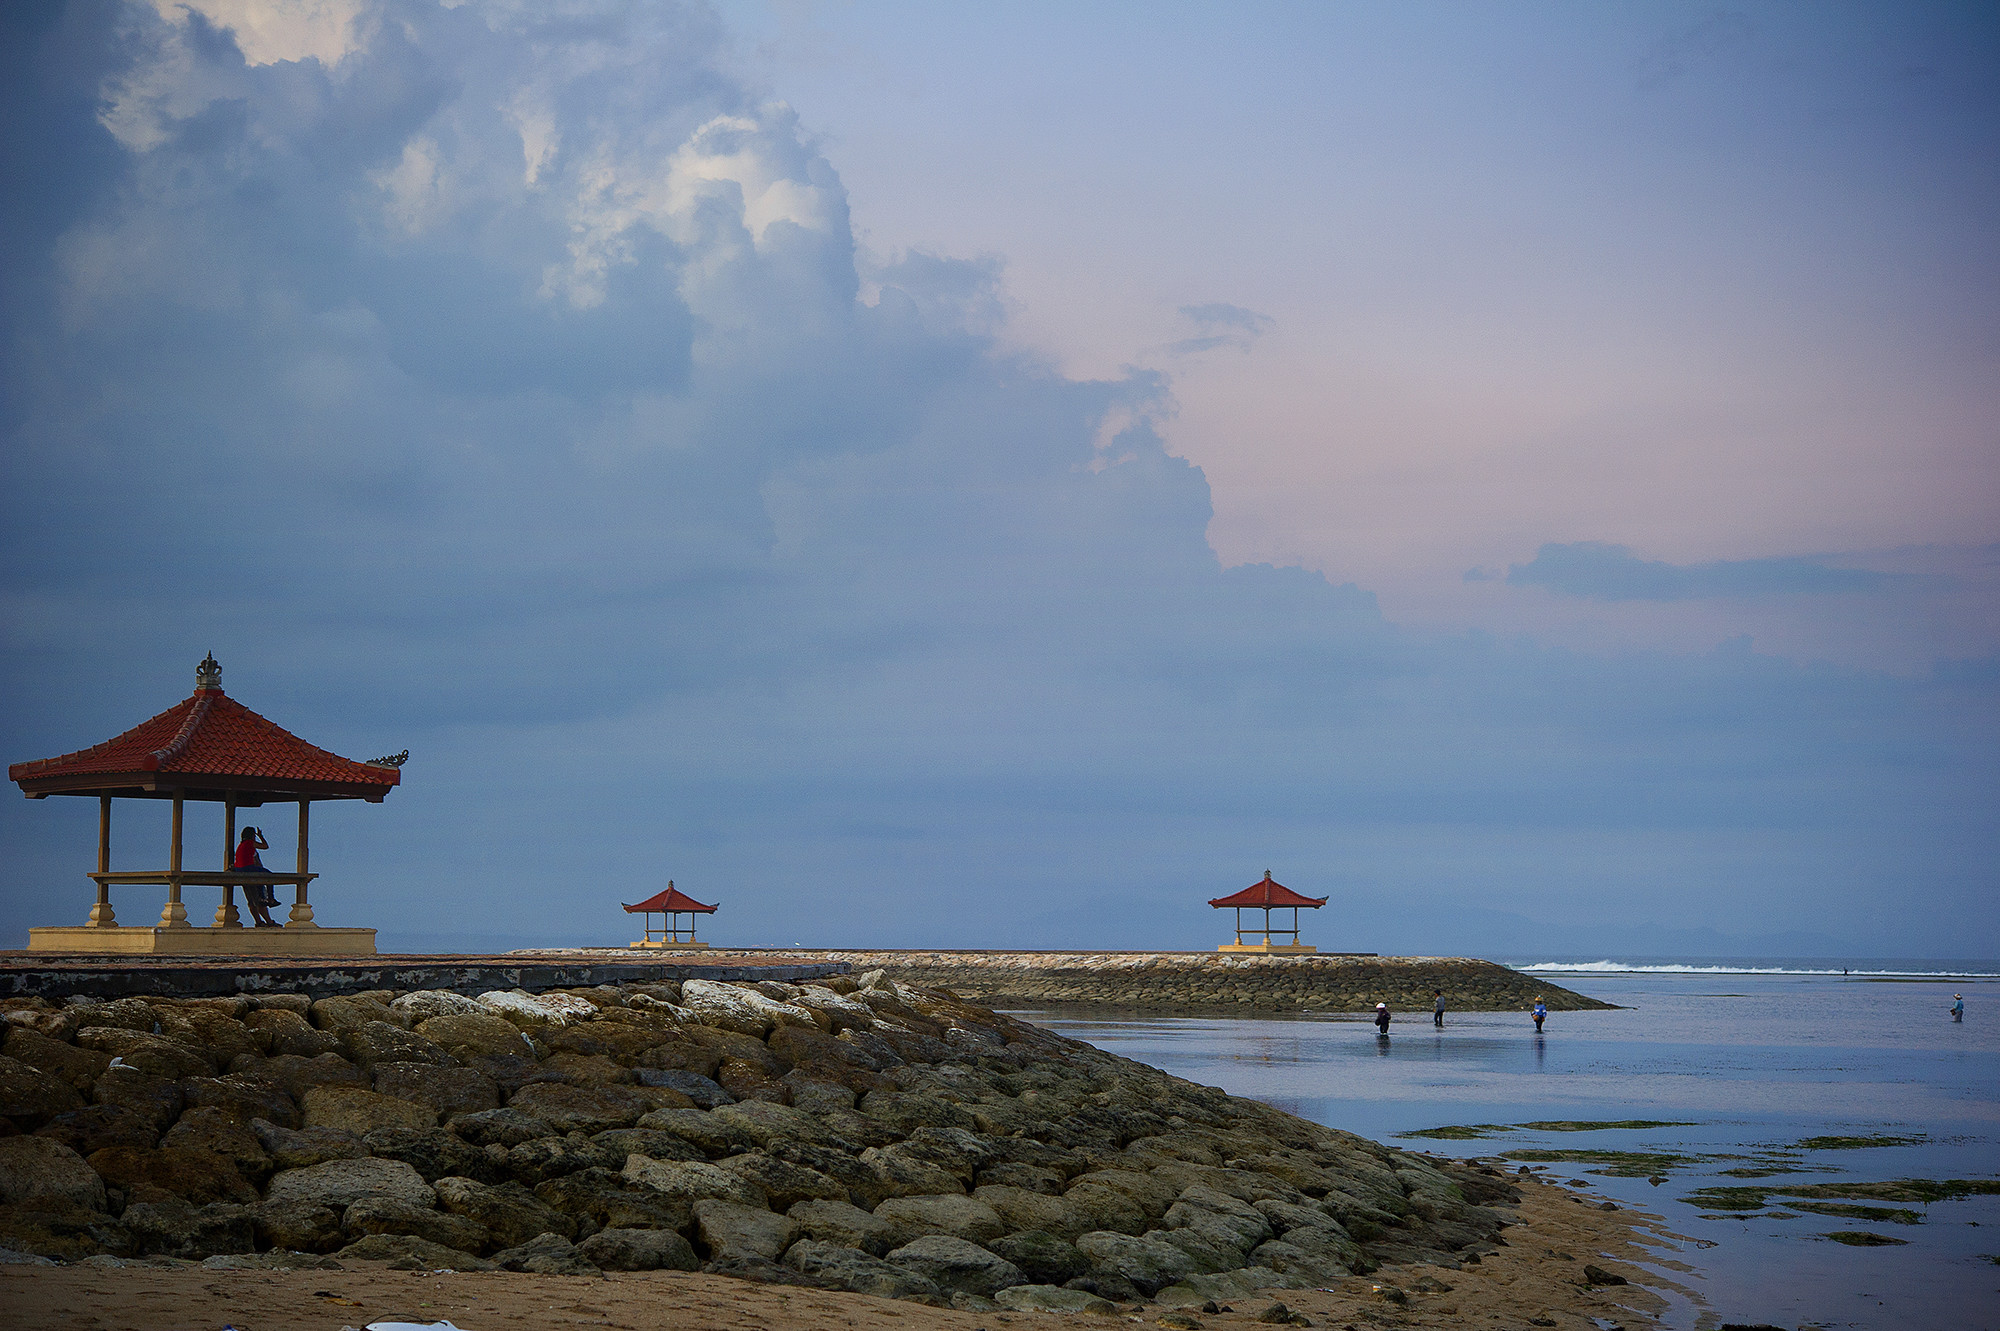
{"x": 175, "y": 916}
{"x": 101, "y": 916}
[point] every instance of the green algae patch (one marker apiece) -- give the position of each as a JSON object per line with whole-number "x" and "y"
{"x": 1920, "y": 1190}
{"x": 1772, "y": 1171}
{"x": 1861, "y": 1238}
{"x": 1601, "y": 1125}
{"x": 1618, "y": 1164}
{"x": 1894, "y": 1215}
{"x": 1728, "y": 1199}
{"x": 1459, "y": 1132}
{"x": 1858, "y": 1143}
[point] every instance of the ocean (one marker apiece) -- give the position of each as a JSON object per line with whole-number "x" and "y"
{"x": 1733, "y": 1082}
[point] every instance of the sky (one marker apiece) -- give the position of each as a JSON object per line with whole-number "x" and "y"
{"x": 1003, "y": 475}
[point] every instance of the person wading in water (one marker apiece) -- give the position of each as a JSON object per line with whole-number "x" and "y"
{"x": 1541, "y": 1014}
{"x": 1382, "y": 1018}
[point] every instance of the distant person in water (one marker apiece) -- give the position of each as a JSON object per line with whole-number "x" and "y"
{"x": 259, "y": 897}
{"x": 1958, "y": 1007}
{"x": 1382, "y": 1018}
{"x": 1541, "y": 1014}
{"x": 1437, "y": 1008}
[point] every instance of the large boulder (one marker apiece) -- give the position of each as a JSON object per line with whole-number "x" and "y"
{"x": 1021, "y": 1209}
{"x": 1149, "y": 1264}
{"x": 341, "y": 1183}
{"x": 296, "y": 1226}
{"x": 298, "y": 1074}
{"x": 509, "y": 1212}
{"x": 1220, "y": 1218}
{"x": 151, "y": 1054}
{"x": 767, "y": 1123}
{"x": 730, "y": 1230}
{"x": 599, "y": 1198}
{"x": 409, "y": 1251}
{"x": 242, "y": 1098}
{"x": 712, "y": 1136}
{"x": 79, "y": 1067}
{"x": 435, "y": 1154}
{"x": 193, "y": 1175}
{"x": 899, "y": 1174}
{"x": 502, "y": 1127}
{"x": 1044, "y": 1258}
{"x": 584, "y": 1109}
{"x": 346, "y": 1011}
{"x": 129, "y": 1014}
{"x": 30, "y": 1097}
{"x": 445, "y": 1090}
{"x": 843, "y": 1224}
{"x": 289, "y": 1033}
{"x": 730, "y": 1008}
{"x": 783, "y": 1182}
{"x": 373, "y": 1042}
{"x": 852, "y": 1269}
{"x": 955, "y": 1265}
{"x": 533, "y": 1011}
{"x": 475, "y": 1034}
{"x": 639, "y": 1250}
{"x": 61, "y": 1230}
{"x": 692, "y": 1181}
{"x": 954, "y": 1214}
{"x": 389, "y": 1215}
{"x": 427, "y": 1003}
{"x": 648, "y": 1142}
{"x": 299, "y": 1148}
{"x": 95, "y": 1127}
{"x": 546, "y": 1255}
{"x": 213, "y": 1030}
{"x": 40, "y": 1169}
{"x": 1052, "y": 1299}
{"x": 158, "y": 1100}
{"x": 351, "y": 1109}
{"x": 173, "y": 1228}
{"x": 1151, "y": 1193}
{"x": 704, "y": 1092}
{"x": 206, "y": 1128}
{"x": 1108, "y": 1208}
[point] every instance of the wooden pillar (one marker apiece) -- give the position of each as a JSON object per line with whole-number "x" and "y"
{"x": 175, "y": 915}
{"x": 302, "y": 911}
{"x": 100, "y": 913}
{"x": 225, "y": 914}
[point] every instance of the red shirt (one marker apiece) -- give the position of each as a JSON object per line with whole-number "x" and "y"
{"x": 246, "y": 856}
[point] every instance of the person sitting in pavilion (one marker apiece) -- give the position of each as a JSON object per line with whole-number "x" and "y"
{"x": 259, "y": 897}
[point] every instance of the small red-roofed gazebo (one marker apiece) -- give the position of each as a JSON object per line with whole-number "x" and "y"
{"x": 1267, "y": 896}
{"x": 670, "y": 905}
{"x": 209, "y": 748}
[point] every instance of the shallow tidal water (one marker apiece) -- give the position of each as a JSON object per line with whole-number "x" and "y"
{"x": 1749, "y": 1068}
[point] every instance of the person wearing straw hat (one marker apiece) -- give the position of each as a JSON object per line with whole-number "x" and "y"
{"x": 1958, "y": 1007}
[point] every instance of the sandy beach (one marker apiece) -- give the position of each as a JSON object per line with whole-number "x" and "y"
{"x": 1538, "y": 1275}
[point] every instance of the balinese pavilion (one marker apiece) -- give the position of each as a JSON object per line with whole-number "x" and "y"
{"x": 209, "y": 748}
{"x": 1267, "y": 896}
{"x": 672, "y": 906}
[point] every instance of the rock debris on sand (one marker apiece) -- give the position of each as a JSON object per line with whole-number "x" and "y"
{"x": 867, "y": 1137}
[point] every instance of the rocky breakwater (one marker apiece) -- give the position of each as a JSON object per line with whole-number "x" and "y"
{"x": 1212, "y": 983}
{"x": 859, "y": 1135}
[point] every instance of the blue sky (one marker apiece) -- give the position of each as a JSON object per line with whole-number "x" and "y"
{"x": 1002, "y": 476}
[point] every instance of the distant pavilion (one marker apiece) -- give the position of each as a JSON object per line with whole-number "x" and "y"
{"x": 672, "y": 906}
{"x": 208, "y": 748}
{"x": 1267, "y": 896}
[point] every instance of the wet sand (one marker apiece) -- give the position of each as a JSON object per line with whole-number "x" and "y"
{"x": 1539, "y": 1275}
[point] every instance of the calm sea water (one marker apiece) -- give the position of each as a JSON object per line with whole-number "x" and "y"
{"x": 1750, "y": 1059}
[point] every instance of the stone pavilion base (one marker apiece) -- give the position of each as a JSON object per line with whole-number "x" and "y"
{"x": 188, "y": 941}
{"x": 1270, "y": 949}
{"x": 659, "y": 946}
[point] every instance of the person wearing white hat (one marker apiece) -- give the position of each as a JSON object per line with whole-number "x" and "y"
{"x": 1958, "y": 1007}
{"x": 1382, "y": 1018}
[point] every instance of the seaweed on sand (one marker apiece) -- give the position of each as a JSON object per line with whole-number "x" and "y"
{"x": 1894, "y": 1215}
{"x": 1618, "y": 1164}
{"x": 1861, "y": 1238}
{"x": 1920, "y": 1190}
{"x": 1459, "y": 1132}
{"x": 1859, "y": 1143}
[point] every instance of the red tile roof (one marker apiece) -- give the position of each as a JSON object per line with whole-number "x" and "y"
{"x": 209, "y": 738}
{"x": 1267, "y": 893}
{"x": 673, "y": 899}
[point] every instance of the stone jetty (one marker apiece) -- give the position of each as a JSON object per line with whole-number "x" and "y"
{"x": 852, "y": 1133}
{"x": 1204, "y": 983}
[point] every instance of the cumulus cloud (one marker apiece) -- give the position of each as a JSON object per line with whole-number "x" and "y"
{"x": 502, "y": 382}
{"x": 1607, "y": 572}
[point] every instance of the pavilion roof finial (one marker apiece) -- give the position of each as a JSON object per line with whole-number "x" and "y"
{"x": 208, "y": 675}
